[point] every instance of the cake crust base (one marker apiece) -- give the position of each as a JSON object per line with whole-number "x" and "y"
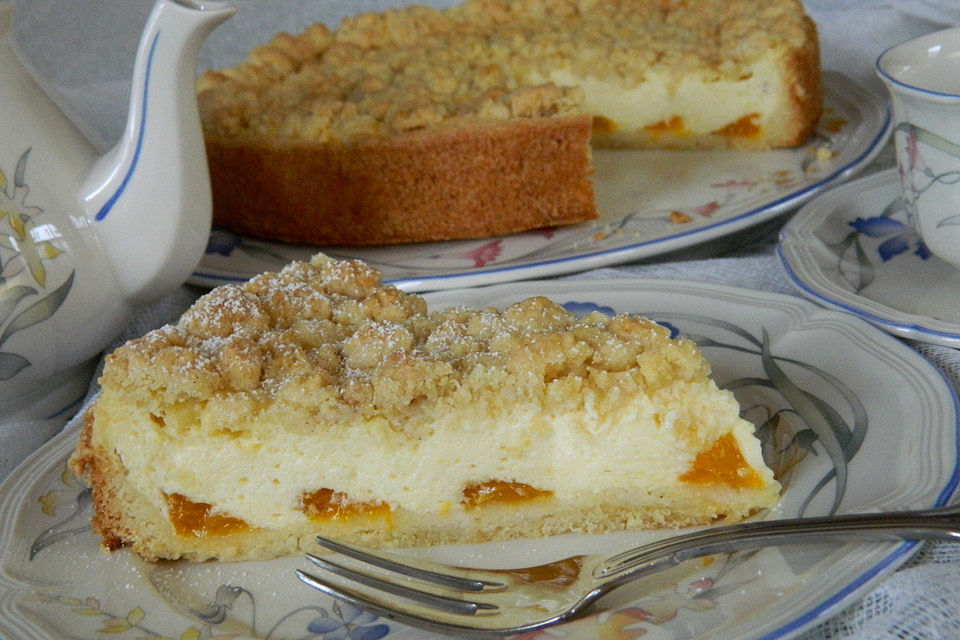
{"x": 449, "y": 183}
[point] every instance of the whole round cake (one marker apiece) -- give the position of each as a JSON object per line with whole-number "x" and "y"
{"x": 421, "y": 124}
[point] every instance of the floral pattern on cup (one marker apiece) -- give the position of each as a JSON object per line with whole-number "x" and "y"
{"x": 28, "y": 297}
{"x": 917, "y": 175}
{"x": 897, "y": 237}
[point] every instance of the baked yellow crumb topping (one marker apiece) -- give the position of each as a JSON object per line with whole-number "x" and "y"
{"x": 382, "y": 73}
{"x": 326, "y": 342}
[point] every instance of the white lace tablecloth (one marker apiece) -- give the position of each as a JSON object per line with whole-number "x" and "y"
{"x": 84, "y": 49}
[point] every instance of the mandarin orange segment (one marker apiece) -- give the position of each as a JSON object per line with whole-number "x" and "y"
{"x": 674, "y": 125}
{"x": 603, "y": 124}
{"x": 498, "y": 491}
{"x": 327, "y": 504}
{"x": 561, "y": 573}
{"x": 745, "y": 127}
{"x": 196, "y": 520}
{"x": 723, "y": 464}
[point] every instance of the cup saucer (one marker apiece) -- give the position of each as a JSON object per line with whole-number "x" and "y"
{"x": 853, "y": 248}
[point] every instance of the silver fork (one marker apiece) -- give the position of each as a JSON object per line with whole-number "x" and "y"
{"x": 495, "y": 602}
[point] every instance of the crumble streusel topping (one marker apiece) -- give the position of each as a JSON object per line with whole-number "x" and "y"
{"x": 326, "y": 337}
{"x": 382, "y": 73}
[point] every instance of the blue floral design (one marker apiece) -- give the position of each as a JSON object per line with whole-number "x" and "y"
{"x": 222, "y": 242}
{"x": 674, "y": 332}
{"x": 899, "y": 236}
{"x": 349, "y": 622}
{"x": 583, "y": 308}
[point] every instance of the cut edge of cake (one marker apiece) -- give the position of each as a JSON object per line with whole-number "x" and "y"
{"x": 246, "y": 429}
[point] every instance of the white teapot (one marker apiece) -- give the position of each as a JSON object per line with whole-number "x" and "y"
{"x": 85, "y": 239}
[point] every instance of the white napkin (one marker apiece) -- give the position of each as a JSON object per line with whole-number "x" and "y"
{"x": 853, "y": 33}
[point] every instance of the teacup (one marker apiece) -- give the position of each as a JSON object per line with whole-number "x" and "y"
{"x": 85, "y": 239}
{"x": 923, "y": 78}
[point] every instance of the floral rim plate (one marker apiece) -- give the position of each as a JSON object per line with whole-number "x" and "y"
{"x": 651, "y": 203}
{"x": 830, "y": 396}
{"x": 853, "y": 248}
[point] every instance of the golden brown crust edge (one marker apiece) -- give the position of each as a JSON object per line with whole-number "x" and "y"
{"x": 85, "y": 464}
{"x": 448, "y": 183}
{"x": 806, "y": 88}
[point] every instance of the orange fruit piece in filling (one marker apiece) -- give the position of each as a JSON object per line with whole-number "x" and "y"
{"x": 327, "y": 504}
{"x": 745, "y": 127}
{"x": 499, "y": 491}
{"x": 723, "y": 464}
{"x": 198, "y": 520}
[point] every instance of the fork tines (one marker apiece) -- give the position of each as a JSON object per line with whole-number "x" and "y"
{"x": 381, "y": 573}
{"x": 409, "y": 567}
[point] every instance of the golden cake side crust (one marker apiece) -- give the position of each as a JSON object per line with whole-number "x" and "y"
{"x": 431, "y": 184}
{"x": 93, "y": 466}
{"x": 806, "y": 90}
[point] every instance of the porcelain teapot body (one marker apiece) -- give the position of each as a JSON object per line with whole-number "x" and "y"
{"x": 86, "y": 238}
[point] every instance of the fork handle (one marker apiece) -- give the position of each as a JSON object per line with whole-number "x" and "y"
{"x": 926, "y": 524}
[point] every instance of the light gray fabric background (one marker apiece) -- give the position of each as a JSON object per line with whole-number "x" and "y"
{"x": 83, "y": 50}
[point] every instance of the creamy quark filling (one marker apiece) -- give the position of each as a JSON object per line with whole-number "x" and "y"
{"x": 686, "y": 107}
{"x": 263, "y": 483}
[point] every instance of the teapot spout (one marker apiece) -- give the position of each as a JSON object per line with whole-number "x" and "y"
{"x": 148, "y": 199}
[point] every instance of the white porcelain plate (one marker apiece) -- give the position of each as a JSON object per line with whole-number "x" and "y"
{"x": 650, "y": 203}
{"x": 843, "y": 449}
{"x": 853, "y": 248}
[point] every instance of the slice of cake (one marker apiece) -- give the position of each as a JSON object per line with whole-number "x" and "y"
{"x": 318, "y": 401}
{"x": 422, "y": 124}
